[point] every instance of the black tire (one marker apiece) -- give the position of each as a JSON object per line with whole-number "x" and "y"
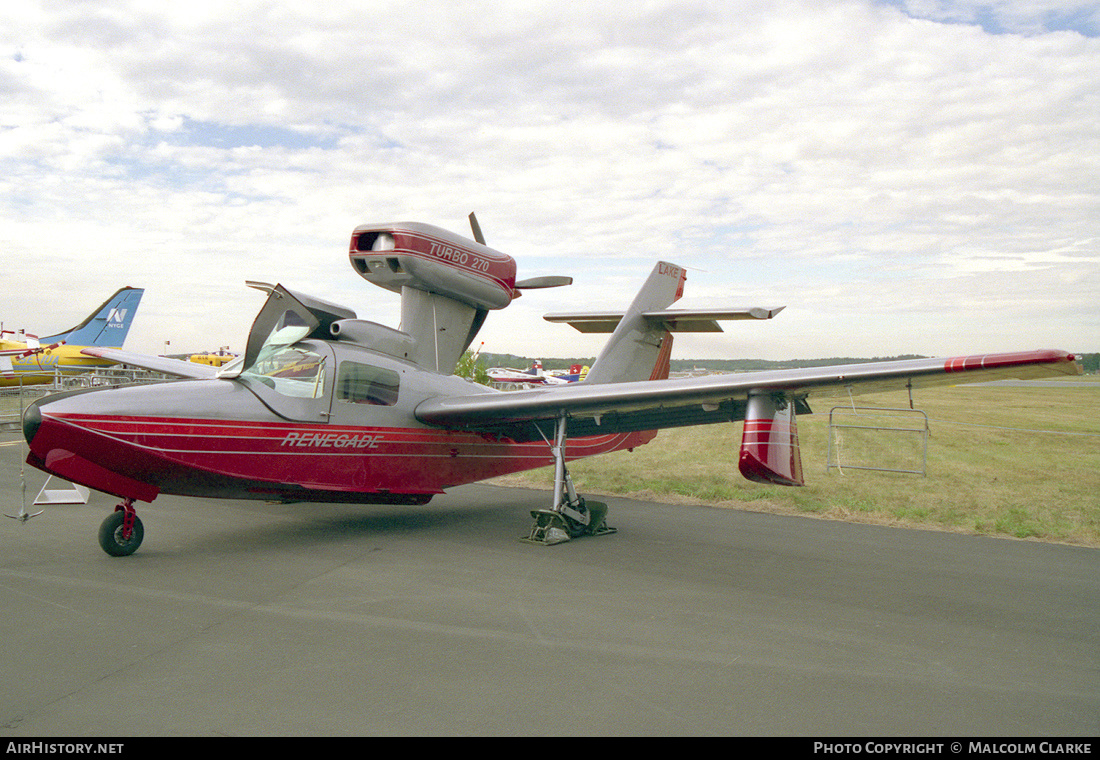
{"x": 110, "y": 535}
{"x": 574, "y": 528}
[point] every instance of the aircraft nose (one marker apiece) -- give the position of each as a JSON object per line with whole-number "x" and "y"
{"x": 32, "y": 420}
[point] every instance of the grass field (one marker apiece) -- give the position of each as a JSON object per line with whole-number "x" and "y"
{"x": 1003, "y": 461}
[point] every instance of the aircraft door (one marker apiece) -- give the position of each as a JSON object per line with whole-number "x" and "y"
{"x": 294, "y": 381}
{"x": 289, "y": 372}
{"x": 283, "y": 320}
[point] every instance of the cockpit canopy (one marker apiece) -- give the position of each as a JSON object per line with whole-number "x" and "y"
{"x": 285, "y": 319}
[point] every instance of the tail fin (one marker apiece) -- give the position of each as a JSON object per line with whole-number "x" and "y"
{"x": 107, "y": 326}
{"x": 639, "y": 348}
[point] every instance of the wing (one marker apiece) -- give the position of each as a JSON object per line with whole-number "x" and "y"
{"x": 623, "y": 407}
{"x": 174, "y": 367}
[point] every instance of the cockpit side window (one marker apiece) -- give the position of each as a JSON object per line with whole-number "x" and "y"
{"x": 363, "y": 384}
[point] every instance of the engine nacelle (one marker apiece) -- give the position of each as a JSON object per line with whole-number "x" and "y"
{"x": 376, "y": 337}
{"x": 428, "y": 258}
{"x": 769, "y": 444}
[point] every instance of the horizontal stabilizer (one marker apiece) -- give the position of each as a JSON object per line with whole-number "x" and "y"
{"x": 673, "y": 320}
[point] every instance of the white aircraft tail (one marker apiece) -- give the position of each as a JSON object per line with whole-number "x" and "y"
{"x": 640, "y": 347}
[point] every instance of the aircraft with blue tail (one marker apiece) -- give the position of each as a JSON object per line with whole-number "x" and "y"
{"x": 37, "y": 361}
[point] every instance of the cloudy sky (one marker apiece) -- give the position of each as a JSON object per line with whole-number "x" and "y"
{"x": 905, "y": 176}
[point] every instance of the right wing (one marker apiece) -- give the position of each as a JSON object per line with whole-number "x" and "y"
{"x": 593, "y": 409}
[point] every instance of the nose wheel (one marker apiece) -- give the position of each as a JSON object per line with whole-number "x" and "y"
{"x": 122, "y": 532}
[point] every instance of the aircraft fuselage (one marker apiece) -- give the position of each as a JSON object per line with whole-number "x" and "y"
{"x": 337, "y": 426}
{"x": 41, "y": 367}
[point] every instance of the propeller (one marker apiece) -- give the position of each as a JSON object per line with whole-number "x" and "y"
{"x": 532, "y": 283}
{"x": 37, "y": 349}
{"x": 551, "y": 281}
{"x": 476, "y": 228}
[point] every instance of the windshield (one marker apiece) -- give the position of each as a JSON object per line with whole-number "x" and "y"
{"x": 290, "y": 370}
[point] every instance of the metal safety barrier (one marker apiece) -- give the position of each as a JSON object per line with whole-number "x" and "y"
{"x": 874, "y": 424}
{"x": 19, "y": 390}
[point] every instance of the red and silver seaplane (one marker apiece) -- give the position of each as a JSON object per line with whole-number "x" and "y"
{"x": 322, "y": 406}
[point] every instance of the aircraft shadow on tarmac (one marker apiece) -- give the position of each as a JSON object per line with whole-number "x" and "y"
{"x": 306, "y": 525}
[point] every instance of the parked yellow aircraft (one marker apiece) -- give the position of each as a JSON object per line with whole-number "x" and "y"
{"x": 214, "y": 358}
{"x": 35, "y": 361}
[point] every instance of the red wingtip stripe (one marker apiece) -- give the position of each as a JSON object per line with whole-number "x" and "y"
{"x": 995, "y": 361}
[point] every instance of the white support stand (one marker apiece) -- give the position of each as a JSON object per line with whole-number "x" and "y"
{"x": 880, "y": 421}
{"x": 74, "y": 494}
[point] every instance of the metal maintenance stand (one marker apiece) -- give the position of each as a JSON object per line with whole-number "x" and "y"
{"x": 570, "y": 516}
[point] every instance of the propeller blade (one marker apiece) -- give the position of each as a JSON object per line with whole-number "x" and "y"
{"x": 476, "y": 228}
{"x": 552, "y": 281}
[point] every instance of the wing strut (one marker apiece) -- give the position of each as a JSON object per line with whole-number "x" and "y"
{"x": 570, "y": 516}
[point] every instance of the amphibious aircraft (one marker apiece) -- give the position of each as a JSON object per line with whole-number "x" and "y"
{"x": 322, "y": 406}
{"x": 37, "y": 360}
{"x": 509, "y": 377}
{"x": 534, "y": 375}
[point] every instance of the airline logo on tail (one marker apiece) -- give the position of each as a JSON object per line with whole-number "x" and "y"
{"x": 117, "y": 317}
{"x": 674, "y": 273}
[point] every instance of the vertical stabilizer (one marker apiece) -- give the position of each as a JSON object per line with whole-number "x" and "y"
{"x": 107, "y": 326}
{"x": 638, "y": 347}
